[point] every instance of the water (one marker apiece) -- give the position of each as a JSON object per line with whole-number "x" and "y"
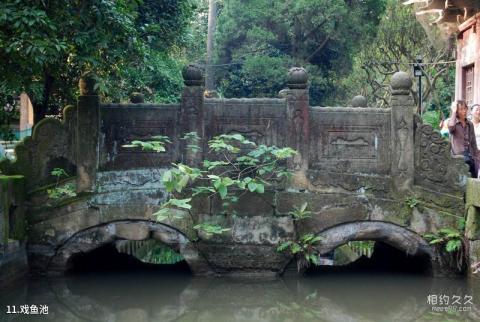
{"x": 137, "y": 296}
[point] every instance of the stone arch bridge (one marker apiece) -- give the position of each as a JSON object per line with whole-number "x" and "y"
{"x": 357, "y": 167}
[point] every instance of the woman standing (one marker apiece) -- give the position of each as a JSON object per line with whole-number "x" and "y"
{"x": 462, "y": 136}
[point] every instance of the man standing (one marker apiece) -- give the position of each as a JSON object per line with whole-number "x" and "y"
{"x": 462, "y": 136}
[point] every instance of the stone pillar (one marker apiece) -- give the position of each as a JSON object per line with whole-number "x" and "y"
{"x": 298, "y": 131}
{"x": 87, "y": 131}
{"x": 402, "y": 154}
{"x": 472, "y": 226}
{"x": 191, "y": 114}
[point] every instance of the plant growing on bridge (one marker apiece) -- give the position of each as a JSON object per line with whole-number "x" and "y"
{"x": 362, "y": 247}
{"x": 61, "y": 191}
{"x": 453, "y": 242}
{"x": 299, "y": 213}
{"x": 303, "y": 249}
{"x": 238, "y": 166}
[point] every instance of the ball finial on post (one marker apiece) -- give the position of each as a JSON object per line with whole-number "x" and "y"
{"x": 359, "y": 101}
{"x": 401, "y": 82}
{"x": 193, "y": 75}
{"x": 86, "y": 84}
{"x": 297, "y": 78}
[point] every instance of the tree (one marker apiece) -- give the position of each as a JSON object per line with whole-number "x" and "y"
{"x": 46, "y": 45}
{"x": 400, "y": 38}
{"x": 212, "y": 26}
{"x": 239, "y": 166}
{"x": 257, "y": 39}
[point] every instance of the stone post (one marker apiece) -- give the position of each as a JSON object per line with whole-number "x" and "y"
{"x": 472, "y": 226}
{"x": 402, "y": 153}
{"x": 87, "y": 131}
{"x": 298, "y": 131}
{"x": 191, "y": 114}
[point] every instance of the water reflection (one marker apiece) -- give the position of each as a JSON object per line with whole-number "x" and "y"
{"x": 150, "y": 296}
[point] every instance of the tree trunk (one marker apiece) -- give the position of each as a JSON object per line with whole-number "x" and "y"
{"x": 40, "y": 110}
{"x": 212, "y": 25}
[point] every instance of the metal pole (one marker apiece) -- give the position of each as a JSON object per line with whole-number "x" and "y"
{"x": 420, "y": 94}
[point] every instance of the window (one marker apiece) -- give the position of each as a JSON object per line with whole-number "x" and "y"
{"x": 468, "y": 84}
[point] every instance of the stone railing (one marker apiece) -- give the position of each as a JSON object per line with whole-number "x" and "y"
{"x": 340, "y": 148}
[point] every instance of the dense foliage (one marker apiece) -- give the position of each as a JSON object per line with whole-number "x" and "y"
{"x": 238, "y": 166}
{"x": 348, "y": 47}
{"x": 46, "y": 45}
{"x": 399, "y": 39}
{"x": 259, "y": 40}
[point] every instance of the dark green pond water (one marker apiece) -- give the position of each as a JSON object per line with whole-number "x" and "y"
{"x": 137, "y": 296}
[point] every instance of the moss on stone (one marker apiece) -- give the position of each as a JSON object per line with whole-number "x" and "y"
{"x": 12, "y": 193}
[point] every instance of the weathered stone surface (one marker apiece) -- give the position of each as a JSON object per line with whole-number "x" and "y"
{"x": 472, "y": 196}
{"x": 262, "y": 230}
{"x": 346, "y": 183}
{"x": 261, "y": 120}
{"x": 123, "y": 123}
{"x": 352, "y": 166}
{"x": 12, "y": 209}
{"x": 297, "y": 78}
{"x": 13, "y": 262}
{"x": 51, "y": 145}
{"x": 472, "y": 224}
{"x": 347, "y": 140}
{"x": 435, "y": 169}
{"x": 193, "y": 75}
{"x": 248, "y": 204}
{"x": 132, "y": 231}
{"x": 401, "y": 81}
{"x": 359, "y": 101}
{"x": 128, "y": 315}
{"x": 402, "y": 134}
{"x": 243, "y": 259}
{"x": 430, "y": 220}
{"x": 87, "y": 134}
{"x": 474, "y": 257}
{"x": 390, "y": 234}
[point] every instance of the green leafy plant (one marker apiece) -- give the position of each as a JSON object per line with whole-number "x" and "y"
{"x": 299, "y": 213}
{"x": 61, "y": 191}
{"x": 303, "y": 249}
{"x": 156, "y": 144}
{"x": 239, "y": 166}
{"x": 211, "y": 229}
{"x": 452, "y": 241}
{"x": 452, "y": 238}
{"x": 412, "y": 202}
{"x": 362, "y": 247}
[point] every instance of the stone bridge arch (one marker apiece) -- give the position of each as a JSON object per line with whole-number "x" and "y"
{"x": 391, "y": 234}
{"x": 97, "y": 236}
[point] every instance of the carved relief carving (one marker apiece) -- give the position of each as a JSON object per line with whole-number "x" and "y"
{"x": 434, "y": 154}
{"x": 121, "y": 132}
{"x": 402, "y": 136}
{"x": 434, "y": 164}
{"x": 350, "y": 145}
{"x": 259, "y": 130}
{"x": 298, "y": 123}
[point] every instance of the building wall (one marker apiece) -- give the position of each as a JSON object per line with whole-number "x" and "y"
{"x": 468, "y": 54}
